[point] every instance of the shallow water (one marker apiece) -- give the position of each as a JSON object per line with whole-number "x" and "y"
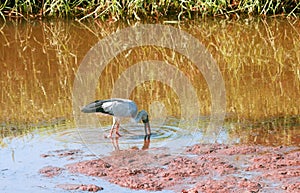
{"x": 21, "y": 161}
{"x": 23, "y": 156}
{"x": 258, "y": 61}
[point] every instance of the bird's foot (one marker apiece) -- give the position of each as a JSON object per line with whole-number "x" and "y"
{"x": 111, "y": 136}
{"x": 107, "y": 136}
{"x": 118, "y": 134}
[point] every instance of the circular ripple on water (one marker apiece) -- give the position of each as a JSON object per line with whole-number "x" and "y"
{"x": 158, "y": 133}
{"x": 132, "y": 137}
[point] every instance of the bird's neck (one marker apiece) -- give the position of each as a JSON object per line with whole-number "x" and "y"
{"x": 142, "y": 115}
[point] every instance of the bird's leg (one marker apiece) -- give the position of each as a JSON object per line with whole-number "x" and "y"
{"x": 147, "y": 130}
{"x": 115, "y": 142}
{"x": 112, "y": 127}
{"x": 111, "y": 131}
{"x": 117, "y": 129}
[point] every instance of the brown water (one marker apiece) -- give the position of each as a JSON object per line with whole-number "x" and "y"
{"x": 259, "y": 61}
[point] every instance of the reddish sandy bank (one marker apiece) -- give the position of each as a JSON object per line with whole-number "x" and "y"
{"x": 201, "y": 168}
{"x": 82, "y": 187}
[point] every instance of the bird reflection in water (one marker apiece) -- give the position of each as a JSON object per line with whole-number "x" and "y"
{"x": 115, "y": 143}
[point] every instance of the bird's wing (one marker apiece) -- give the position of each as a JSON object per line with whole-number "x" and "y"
{"x": 99, "y": 106}
{"x": 123, "y": 108}
{"x": 116, "y": 107}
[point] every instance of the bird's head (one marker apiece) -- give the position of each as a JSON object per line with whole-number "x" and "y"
{"x": 143, "y": 115}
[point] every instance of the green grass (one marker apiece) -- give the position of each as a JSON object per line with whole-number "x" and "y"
{"x": 148, "y": 9}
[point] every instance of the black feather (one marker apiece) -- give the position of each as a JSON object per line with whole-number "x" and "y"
{"x": 96, "y": 107}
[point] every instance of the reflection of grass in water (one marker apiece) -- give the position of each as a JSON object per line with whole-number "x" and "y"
{"x": 260, "y": 68}
{"x": 37, "y": 81}
{"x": 12, "y": 130}
{"x": 259, "y": 61}
{"x": 273, "y": 131}
{"x": 154, "y": 90}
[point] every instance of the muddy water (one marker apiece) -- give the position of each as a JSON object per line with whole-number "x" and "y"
{"x": 259, "y": 61}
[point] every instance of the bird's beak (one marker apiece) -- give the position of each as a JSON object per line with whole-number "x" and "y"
{"x": 147, "y": 129}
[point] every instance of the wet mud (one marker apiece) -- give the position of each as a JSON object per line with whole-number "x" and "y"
{"x": 200, "y": 168}
{"x": 82, "y": 187}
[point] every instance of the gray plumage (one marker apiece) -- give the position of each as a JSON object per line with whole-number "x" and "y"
{"x": 119, "y": 108}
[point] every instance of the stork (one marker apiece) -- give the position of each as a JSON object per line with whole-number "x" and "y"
{"x": 119, "y": 108}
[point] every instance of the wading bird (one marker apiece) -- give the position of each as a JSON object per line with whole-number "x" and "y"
{"x": 119, "y": 108}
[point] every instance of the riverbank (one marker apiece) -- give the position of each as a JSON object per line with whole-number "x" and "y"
{"x": 63, "y": 159}
{"x": 137, "y": 10}
{"x": 201, "y": 168}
